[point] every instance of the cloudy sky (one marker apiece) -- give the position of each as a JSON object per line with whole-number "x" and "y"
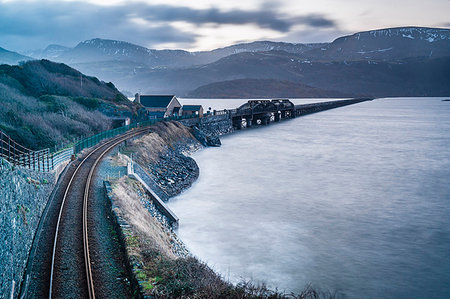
{"x": 205, "y": 24}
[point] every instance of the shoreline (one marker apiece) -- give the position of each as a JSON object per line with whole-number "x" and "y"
{"x": 160, "y": 261}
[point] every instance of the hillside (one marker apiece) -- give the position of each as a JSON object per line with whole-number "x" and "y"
{"x": 261, "y": 88}
{"x": 46, "y": 104}
{"x": 9, "y": 57}
{"x": 409, "y": 77}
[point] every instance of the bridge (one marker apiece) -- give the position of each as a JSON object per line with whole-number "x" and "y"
{"x": 262, "y": 112}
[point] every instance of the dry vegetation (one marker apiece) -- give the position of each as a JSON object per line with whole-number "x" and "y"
{"x": 145, "y": 228}
{"x": 42, "y": 104}
{"x": 163, "y": 134}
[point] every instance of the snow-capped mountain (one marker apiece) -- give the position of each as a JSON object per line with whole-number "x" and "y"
{"x": 376, "y": 62}
{"x": 261, "y": 46}
{"x": 97, "y": 50}
{"x": 387, "y": 44}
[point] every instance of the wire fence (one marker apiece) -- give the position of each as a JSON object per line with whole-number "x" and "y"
{"x": 42, "y": 160}
{"x": 45, "y": 160}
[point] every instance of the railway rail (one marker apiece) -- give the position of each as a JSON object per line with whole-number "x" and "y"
{"x": 67, "y": 272}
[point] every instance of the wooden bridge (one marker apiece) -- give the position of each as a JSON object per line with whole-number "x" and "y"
{"x": 262, "y": 112}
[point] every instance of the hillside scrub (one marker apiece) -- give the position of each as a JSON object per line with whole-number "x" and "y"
{"x": 46, "y": 104}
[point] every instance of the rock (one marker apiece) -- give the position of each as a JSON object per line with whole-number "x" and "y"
{"x": 205, "y": 139}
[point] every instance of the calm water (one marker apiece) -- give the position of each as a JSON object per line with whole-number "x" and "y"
{"x": 355, "y": 199}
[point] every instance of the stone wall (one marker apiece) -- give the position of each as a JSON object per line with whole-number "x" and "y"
{"x": 214, "y": 125}
{"x": 23, "y": 196}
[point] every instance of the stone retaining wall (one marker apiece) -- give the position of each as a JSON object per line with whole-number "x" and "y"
{"x": 23, "y": 196}
{"x": 214, "y": 125}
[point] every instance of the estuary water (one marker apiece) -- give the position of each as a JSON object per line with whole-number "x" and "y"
{"x": 354, "y": 200}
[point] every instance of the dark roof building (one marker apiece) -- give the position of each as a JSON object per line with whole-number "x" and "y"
{"x": 159, "y": 106}
{"x": 192, "y": 107}
{"x": 192, "y": 110}
{"x": 161, "y": 101}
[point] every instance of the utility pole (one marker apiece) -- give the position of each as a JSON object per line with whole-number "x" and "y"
{"x": 81, "y": 81}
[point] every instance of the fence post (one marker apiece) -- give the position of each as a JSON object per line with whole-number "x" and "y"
{"x": 9, "y": 149}
{"x": 1, "y": 143}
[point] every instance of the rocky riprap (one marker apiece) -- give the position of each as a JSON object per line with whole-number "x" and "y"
{"x": 173, "y": 173}
{"x": 206, "y": 140}
{"x": 208, "y": 129}
{"x": 23, "y": 196}
{"x": 162, "y": 158}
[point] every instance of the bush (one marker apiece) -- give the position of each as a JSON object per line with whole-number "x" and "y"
{"x": 90, "y": 103}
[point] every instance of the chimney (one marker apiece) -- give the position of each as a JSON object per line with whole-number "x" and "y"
{"x": 137, "y": 98}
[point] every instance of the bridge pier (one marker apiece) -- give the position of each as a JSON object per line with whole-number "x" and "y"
{"x": 237, "y": 123}
{"x": 265, "y": 119}
{"x": 277, "y": 116}
{"x": 249, "y": 121}
{"x": 292, "y": 113}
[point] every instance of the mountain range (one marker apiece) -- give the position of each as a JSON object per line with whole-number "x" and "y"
{"x": 407, "y": 61}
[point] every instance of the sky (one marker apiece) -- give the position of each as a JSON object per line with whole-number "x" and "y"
{"x": 197, "y": 25}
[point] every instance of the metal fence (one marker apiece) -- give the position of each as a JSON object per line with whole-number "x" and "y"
{"x": 46, "y": 161}
{"x": 41, "y": 160}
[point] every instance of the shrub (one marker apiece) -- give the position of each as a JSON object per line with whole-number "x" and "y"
{"x": 90, "y": 103}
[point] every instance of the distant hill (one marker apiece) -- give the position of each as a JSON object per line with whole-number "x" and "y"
{"x": 9, "y": 57}
{"x": 52, "y": 52}
{"x": 408, "y": 77}
{"x": 261, "y": 88}
{"x": 104, "y": 50}
{"x": 44, "y": 104}
{"x": 385, "y": 62}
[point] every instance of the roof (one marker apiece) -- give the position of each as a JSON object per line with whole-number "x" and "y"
{"x": 192, "y": 107}
{"x": 160, "y": 101}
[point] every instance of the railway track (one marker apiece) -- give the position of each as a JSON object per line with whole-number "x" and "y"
{"x": 73, "y": 210}
{"x": 67, "y": 272}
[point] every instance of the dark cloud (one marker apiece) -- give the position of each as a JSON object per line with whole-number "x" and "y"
{"x": 262, "y": 18}
{"x": 35, "y": 25}
{"x": 316, "y": 21}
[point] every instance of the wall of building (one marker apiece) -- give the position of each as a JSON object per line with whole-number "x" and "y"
{"x": 174, "y": 103}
